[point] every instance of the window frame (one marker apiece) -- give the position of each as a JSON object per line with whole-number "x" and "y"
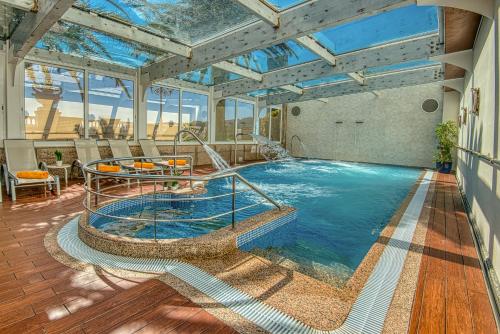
{"x": 237, "y": 100}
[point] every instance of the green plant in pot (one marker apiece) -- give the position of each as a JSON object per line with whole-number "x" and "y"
{"x": 173, "y": 185}
{"x": 58, "y": 155}
{"x": 447, "y": 134}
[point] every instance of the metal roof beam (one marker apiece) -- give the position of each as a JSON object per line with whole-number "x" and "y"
{"x": 311, "y": 44}
{"x": 262, "y": 10}
{"x": 462, "y": 59}
{"x": 26, "y": 5}
{"x": 293, "y": 89}
{"x": 237, "y": 69}
{"x": 358, "y": 77}
{"x": 130, "y": 33}
{"x": 312, "y": 16}
{"x": 34, "y": 25}
{"x": 392, "y": 53}
{"x": 377, "y": 82}
{"x": 80, "y": 62}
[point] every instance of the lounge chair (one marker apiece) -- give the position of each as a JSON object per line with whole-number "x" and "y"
{"x": 150, "y": 149}
{"x": 87, "y": 151}
{"x": 20, "y": 156}
{"x": 120, "y": 149}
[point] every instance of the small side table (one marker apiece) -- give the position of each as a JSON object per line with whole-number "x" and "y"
{"x": 66, "y": 167}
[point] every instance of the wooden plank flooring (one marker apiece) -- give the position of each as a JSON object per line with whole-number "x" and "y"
{"x": 40, "y": 295}
{"x": 451, "y": 295}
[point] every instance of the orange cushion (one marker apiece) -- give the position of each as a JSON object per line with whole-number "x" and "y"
{"x": 32, "y": 174}
{"x": 108, "y": 168}
{"x": 147, "y": 165}
{"x": 179, "y": 162}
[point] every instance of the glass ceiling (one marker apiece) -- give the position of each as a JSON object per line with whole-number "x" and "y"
{"x": 80, "y": 41}
{"x": 323, "y": 81}
{"x": 284, "y": 4}
{"x": 399, "y": 67}
{"x": 187, "y": 21}
{"x": 389, "y": 26}
{"x": 275, "y": 57}
{"x": 264, "y": 92}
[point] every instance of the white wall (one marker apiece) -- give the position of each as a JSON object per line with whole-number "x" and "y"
{"x": 479, "y": 179}
{"x": 395, "y": 129}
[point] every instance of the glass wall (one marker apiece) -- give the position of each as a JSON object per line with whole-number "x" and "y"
{"x": 233, "y": 117}
{"x": 194, "y": 115}
{"x": 275, "y": 123}
{"x": 57, "y": 100}
{"x": 162, "y": 113}
{"x": 225, "y": 115}
{"x": 53, "y": 102}
{"x": 111, "y": 107}
{"x": 245, "y": 121}
{"x": 263, "y": 122}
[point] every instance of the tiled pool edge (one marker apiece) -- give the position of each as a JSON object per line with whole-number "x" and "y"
{"x": 249, "y": 236}
{"x": 362, "y": 318}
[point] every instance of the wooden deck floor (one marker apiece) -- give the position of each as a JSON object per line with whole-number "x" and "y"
{"x": 38, "y": 294}
{"x": 451, "y": 295}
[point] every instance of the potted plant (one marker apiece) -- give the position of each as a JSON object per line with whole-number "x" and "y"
{"x": 174, "y": 185}
{"x": 447, "y": 134}
{"x": 58, "y": 155}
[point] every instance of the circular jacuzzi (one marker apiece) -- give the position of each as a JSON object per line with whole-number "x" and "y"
{"x": 141, "y": 213}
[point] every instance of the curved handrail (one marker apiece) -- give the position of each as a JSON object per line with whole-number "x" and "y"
{"x": 101, "y": 196}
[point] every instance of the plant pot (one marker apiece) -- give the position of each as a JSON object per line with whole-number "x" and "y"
{"x": 438, "y": 165}
{"x": 59, "y": 163}
{"x": 446, "y": 167}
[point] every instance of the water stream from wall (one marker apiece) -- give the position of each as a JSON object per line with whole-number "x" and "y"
{"x": 271, "y": 150}
{"x": 217, "y": 161}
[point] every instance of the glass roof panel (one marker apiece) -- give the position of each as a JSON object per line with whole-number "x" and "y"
{"x": 275, "y": 57}
{"x": 401, "y": 66}
{"x": 209, "y": 76}
{"x": 322, "y": 81}
{"x": 79, "y": 41}
{"x": 9, "y": 19}
{"x": 386, "y": 27}
{"x": 187, "y": 21}
{"x": 284, "y": 4}
{"x": 264, "y": 92}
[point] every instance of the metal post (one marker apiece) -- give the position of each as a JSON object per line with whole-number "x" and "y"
{"x": 154, "y": 207}
{"x": 234, "y": 199}
{"x": 89, "y": 188}
{"x": 97, "y": 189}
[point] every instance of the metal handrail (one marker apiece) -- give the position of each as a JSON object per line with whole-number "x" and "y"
{"x": 93, "y": 174}
{"x": 490, "y": 160}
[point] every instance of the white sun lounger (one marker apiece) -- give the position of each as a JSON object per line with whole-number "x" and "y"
{"x": 150, "y": 149}
{"x": 20, "y": 155}
{"x": 120, "y": 149}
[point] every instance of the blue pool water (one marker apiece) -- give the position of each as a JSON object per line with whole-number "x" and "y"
{"x": 342, "y": 208}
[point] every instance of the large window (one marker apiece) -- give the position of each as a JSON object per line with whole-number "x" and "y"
{"x": 163, "y": 113}
{"x": 225, "y": 115}
{"x": 263, "y": 122}
{"x": 269, "y": 123}
{"x": 111, "y": 107}
{"x": 276, "y": 115}
{"x": 245, "y": 122}
{"x": 233, "y": 117}
{"x": 53, "y": 102}
{"x": 194, "y": 115}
